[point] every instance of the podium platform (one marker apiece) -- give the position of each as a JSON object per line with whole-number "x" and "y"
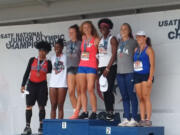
{"x": 95, "y": 127}
{"x": 101, "y": 130}
{"x": 72, "y": 127}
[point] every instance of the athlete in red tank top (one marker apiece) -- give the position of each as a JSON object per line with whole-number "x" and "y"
{"x": 89, "y": 51}
{"x": 88, "y": 68}
{"x": 35, "y": 75}
{"x": 41, "y": 76}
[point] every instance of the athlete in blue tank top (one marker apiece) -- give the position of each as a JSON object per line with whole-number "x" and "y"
{"x": 141, "y": 59}
{"x": 144, "y": 67}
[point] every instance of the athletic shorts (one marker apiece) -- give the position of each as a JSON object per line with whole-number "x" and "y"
{"x": 138, "y": 78}
{"x": 87, "y": 70}
{"x": 37, "y": 92}
{"x": 72, "y": 70}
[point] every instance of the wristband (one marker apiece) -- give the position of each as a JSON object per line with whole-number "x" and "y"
{"x": 107, "y": 69}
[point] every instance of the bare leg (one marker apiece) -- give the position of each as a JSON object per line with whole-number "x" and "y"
{"x": 82, "y": 83}
{"x": 146, "y": 92}
{"x": 139, "y": 90}
{"x": 78, "y": 106}
{"x": 61, "y": 99}
{"x": 71, "y": 79}
{"x": 53, "y": 99}
{"x": 91, "y": 78}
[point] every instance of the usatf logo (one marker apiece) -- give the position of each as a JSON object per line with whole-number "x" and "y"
{"x": 174, "y": 33}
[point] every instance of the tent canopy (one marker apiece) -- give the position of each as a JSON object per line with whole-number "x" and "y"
{"x": 32, "y": 11}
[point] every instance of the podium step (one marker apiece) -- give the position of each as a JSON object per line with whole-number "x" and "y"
{"x": 95, "y": 127}
{"x": 30, "y": 134}
{"x": 71, "y": 127}
{"x": 102, "y": 130}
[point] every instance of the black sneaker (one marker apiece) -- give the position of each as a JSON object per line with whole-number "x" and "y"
{"x": 40, "y": 131}
{"x": 83, "y": 115}
{"x": 27, "y": 131}
{"x": 110, "y": 116}
{"x": 93, "y": 116}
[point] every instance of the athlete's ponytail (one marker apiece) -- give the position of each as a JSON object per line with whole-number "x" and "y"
{"x": 148, "y": 41}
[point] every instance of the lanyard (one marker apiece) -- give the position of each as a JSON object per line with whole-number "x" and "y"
{"x": 106, "y": 41}
{"x": 86, "y": 42}
{"x": 140, "y": 52}
{"x": 123, "y": 45}
{"x": 39, "y": 66}
{"x": 72, "y": 47}
{"x": 56, "y": 65}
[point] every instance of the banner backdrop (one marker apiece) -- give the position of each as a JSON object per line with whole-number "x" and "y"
{"x": 17, "y": 46}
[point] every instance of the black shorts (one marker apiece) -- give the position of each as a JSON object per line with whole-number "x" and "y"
{"x": 37, "y": 92}
{"x": 138, "y": 78}
{"x": 72, "y": 70}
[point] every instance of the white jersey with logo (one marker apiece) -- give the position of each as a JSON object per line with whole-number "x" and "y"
{"x": 105, "y": 53}
{"x": 59, "y": 72}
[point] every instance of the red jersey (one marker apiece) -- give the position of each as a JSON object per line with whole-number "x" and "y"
{"x": 40, "y": 76}
{"x": 88, "y": 54}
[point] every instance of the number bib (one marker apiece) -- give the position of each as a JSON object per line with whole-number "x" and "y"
{"x": 85, "y": 56}
{"x": 138, "y": 66}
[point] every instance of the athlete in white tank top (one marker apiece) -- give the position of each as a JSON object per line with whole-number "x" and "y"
{"x": 107, "y": 66}
{"x": 105, "y": 51}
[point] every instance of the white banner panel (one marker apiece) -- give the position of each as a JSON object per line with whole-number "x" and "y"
{"x": 16, "y": 47}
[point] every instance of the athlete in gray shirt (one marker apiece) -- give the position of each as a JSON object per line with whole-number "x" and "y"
{"x": 73, "y": 52}
{"x": 125, "y": 75}
{"x": 125, "y": 53}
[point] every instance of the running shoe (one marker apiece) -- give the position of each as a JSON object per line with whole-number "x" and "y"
{"x": 75, "y": 115}
{"x": 84, "y": 115}
{"x": 27, "y": 131}
{"x": 93, "y": 116}
{"x": 132, "y": 123}
{"x": 124, "y": 123}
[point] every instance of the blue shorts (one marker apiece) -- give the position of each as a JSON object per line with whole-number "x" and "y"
{"x": 87, "y": 70}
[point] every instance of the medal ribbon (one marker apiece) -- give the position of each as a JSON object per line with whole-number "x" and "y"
{"x": 86, "y": 42}
{"x": 106, "y": 41}
{"x": 123, "y": 45}
{"x": 57, "y": 62}
{"x": 139, "y": 52}
{"x": 72, "y": 47}
{"x": 39, "y": 66}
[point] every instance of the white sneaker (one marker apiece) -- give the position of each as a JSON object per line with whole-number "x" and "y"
{"x": 132, "y": 123}
{"x": 124, "y": 123}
